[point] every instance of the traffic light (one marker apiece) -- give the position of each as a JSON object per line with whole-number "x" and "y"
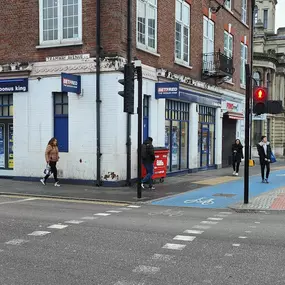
{"x": 129, "y": 87}
{"x": 260, "y": 95}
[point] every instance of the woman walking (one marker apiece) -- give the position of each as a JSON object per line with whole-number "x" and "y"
{"x": 52, "y": 157}
{"x": 237, "y": 156}
{"x": 264, "y": 152}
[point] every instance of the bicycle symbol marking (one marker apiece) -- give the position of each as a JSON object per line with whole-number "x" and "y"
{"x": 202, "y": 201}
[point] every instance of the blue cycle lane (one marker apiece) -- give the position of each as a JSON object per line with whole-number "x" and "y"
{"x": 230, "y": 193}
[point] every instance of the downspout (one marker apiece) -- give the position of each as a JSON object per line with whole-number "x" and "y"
{"x": 98, "y": 95}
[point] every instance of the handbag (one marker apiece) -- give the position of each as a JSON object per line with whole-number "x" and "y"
{"x": 47, "y": 170}
{"x": 272, "y": 158}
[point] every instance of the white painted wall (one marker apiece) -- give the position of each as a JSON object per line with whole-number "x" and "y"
{"x": 219, "y": 137}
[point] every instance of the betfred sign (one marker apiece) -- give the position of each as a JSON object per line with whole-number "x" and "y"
{"x": 70, "y": 83}
{"x": 166, "y": 90}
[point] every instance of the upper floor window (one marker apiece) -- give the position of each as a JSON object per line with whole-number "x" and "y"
{"x": 228, "y": 44}
{"x": 147, "y": 24}
{"x": 60, "y": 21}
{"x": 228, "y": 4}
{"x": 244, "y": 11}
{"x": 255, "y": 14}
{"x": 257, "y": 77}
{"x": 265, "y": 18}
{"x": 182, "y": 31}
{"x": 208, "y": 35}
{"x": 243, "y": 62}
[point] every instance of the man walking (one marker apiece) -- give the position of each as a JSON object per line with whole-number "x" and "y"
{"x": 148, "y": 159}
{"x": 264, "y": 152}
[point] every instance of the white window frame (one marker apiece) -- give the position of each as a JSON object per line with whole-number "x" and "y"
{"x": 229, "y": 50}
{"x": 243, "y": 61}
{"x": 267, "y": 14}
{"x": 228, "y": 4}
{"x": 60, "y": 40}
{"x": 145, "y": 46}
{"x": 244, "y": 11}
{"x": 183, "y": 24}
{"x": 209, "y": 41}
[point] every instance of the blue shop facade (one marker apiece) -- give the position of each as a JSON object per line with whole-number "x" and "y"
{"x": 193, "y": 125}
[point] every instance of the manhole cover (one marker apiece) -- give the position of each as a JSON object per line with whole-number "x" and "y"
{"x": 224, "y": 195}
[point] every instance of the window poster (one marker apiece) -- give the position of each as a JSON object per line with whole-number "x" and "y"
{"x": 2, "y": 147}
{"x": 10, "y": 149}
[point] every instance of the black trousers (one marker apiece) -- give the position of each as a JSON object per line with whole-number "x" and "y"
{"x": 53, "y": 171}
{"x": 264, "y": 164}
{"x": 236, "y": 166}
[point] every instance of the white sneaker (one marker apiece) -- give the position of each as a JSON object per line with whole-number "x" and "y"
{"x": 142, "y": 185}
{"x": 234, "y": 173}
{"x": 56, "y": 184}
{"x": 43, "y": 181}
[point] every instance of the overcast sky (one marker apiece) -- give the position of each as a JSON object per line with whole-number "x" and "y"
{"x": 280, "y": 14}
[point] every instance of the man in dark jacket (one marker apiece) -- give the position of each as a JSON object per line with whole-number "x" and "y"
{"x": 264, "y": 152}
{"x": 148, "y": 159}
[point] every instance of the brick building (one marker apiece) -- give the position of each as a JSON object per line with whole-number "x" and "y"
{"x": 199, "y": 48}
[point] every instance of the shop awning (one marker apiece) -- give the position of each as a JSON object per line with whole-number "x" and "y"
{"x": 234, "y": 115}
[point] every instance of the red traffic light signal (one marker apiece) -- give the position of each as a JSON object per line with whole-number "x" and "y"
{"x": 260, "y": 94}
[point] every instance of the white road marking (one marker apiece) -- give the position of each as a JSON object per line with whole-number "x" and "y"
{"x": 242, "y": 237}
{"x": 209, "y": 222}
{"x": 134, "y": 206}
{"x": 18, "y": 201}
{"x": 38, "y": 233}
{"x": 201, "y": 227}
{"x": 225, "y": 213}
{"x": 257, "y": 222}
{"x": 57, "y": 226}
{"x": 221, "y": 216}
{"x": 228, "y": 254}
{"x": 215, "y": 219}
{"x": 102, "y": 214}
{"x": 89, "y": 218}
{"x": 75, "y": 222}
{"x": 195, "y": 232}
{"x": 174, "y": 246}
{"x": 248, "y": 232}
{"x": 125, "y": 209}
{"x": 16, "y": 241}
{"x": 114, "y": 211}
{"x": 236, "y": 244}
{"x": 146, "y": 269}
{"x": 253, "y": 227}
{"x": 184, "y": 238}
{"x": 162, "y": 257}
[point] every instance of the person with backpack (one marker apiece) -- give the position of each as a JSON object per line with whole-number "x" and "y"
{"x": 264, "y": 152}
{"x": 237, "y": 156}
{"x": 148, "y": 158}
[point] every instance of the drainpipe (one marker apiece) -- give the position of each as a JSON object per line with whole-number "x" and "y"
{"x": 98, "y": 96}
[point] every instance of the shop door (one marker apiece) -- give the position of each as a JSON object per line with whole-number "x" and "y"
{"x": 229, "y": 136}
{"x": 6, "y": 144}
{"x": 205, "y": 146}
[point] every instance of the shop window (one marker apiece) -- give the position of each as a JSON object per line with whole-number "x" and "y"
{"x": 61, "y": 120}
{"x": 6, "y": 105}
{"x": 177, "y": 134}
{"x": 145, "y": 116}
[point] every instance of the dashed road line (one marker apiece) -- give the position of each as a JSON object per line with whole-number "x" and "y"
{"x": 174, "y": 246}
{"x": 236, "y": 244}
{"x": 242, "y": 237}
{"x": 75, "y": 222}
{"x": 134, "y": 206}
{"x": 184, "y": 238}
{"x": 102, "y": 214}
{"x": 57, "y": 226}
{"x": 89, "y": 218}
{"x": 146, "y": 269}
{"x": 39, "y": 233}
{"x": 257, "y": 222}
{"x": 248, "y": 232}
{"x": 162, "y": 257}
{"x": 16, "y": 241}
{"x": 201, "y": 227}
{"x": 215, "y": 219}
{"x": 229, "y": 254}
{"x": 221, "y": 216}
{"x": 114, "y": 212}
{"x": 195, "y": 232}
{"x": 225, "y": 213}
{"x": 125, "y": 209}
{"x": 209, "y": 222}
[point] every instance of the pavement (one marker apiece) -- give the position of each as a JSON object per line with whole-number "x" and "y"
{"x": 49, "y": 242}
{"x": 205, "y": 189}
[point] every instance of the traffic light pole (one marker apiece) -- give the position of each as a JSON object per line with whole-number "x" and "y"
{"x": 129, "y": 62}
{"x": 140, "y": 99}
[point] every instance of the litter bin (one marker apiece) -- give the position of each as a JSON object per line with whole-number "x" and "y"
{"x": 159, "y": 165}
